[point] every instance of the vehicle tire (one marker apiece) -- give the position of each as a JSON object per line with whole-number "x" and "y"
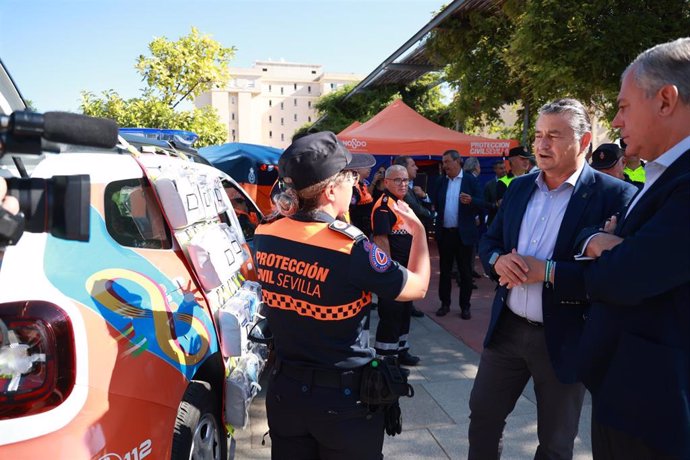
{"x": 199, "y": 433}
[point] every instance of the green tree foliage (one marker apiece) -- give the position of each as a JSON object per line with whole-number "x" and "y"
{"x": 532, "y": 51}
{"x": 176, "y": 71}
{"x": 423, "y": 95}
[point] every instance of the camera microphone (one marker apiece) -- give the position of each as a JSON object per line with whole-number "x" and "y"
{"x": 71, "y": 128}
{"x": 25, "y": 129}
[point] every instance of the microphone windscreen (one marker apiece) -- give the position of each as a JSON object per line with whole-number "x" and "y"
{"x": 71, "y": 128}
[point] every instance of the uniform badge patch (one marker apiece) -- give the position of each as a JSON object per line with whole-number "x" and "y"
{"x": 378, "y": 259}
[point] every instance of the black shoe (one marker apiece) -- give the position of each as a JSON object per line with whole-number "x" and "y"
{"x": 465, "y": 314}
{"x": 406, "y": 359}
{"x": 475, "y": 274}
{"x": 443, "y": 311}
{"x": 416, "y": 313}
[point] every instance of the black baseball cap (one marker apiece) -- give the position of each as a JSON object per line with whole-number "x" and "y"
{"x": 316, "y": 157}
{"x": 606, "y": 155}
{"x": 519, "y": 151}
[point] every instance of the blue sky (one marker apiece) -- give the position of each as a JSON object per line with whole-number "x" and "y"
{"x": 55, "y": 49}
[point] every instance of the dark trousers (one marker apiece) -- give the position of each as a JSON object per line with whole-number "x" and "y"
{"x": 307, "y": 421}
{"x": 393, "y": 328}
{"x": 517, "y": 352}
{"x": 611, "y": 444}
{"x": 450, "y": 249}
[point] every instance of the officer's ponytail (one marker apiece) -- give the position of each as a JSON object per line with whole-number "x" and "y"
{"x": 288, "y": 200}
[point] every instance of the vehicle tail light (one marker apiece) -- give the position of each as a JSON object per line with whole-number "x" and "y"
{"x": 37, "y": 358}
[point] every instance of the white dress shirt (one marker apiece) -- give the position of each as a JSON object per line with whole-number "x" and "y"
{"x": 450, "y": 213}
{"x": 654, "y": 169}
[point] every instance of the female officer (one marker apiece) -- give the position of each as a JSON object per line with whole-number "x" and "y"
{"x": 317, "y": 274}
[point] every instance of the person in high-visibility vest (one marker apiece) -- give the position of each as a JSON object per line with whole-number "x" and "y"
{"x": 317, "y": 274}
{"x": 519, "y": 159}
{"x": 634, "y": 168}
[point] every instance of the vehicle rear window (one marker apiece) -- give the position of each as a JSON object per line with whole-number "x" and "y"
{"x": 133, "y": 217}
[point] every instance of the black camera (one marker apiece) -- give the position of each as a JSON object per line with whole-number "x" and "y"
{"x": 58, "y": 205}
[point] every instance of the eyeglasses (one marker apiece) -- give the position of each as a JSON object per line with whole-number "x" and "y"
{"x": 399, "y": 181}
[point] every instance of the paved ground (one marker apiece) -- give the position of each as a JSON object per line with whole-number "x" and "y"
{"x": 436, "y": 419}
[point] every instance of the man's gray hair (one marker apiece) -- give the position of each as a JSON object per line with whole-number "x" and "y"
{"x": 577, "y": 114}
{"x": 470, "y": 164}
{"x": 664, "y": 64}
{"x": 395, "y": 168}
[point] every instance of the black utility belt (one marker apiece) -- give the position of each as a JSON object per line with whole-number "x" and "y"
{"x": 329, "y": 378}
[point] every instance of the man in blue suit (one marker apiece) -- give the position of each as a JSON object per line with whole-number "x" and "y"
{"x": 457, "y": 202}
{"x": 536, "y": 317}
{"x": 635, "y": 350}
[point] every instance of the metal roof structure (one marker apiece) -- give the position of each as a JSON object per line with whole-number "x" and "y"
{"x": 411, "y": 61}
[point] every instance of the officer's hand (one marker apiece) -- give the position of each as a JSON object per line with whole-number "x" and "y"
{"x": 465, "y": 198}
{"x": 8, "y": 202}
{"x": 410, "y": 219}
{"x": 511, "y": 269}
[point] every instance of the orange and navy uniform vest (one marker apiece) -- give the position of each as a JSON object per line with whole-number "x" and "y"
{"x": 317, "y": 275}
{"x": 360, "y": 207}
{"x": 385, "y": 221}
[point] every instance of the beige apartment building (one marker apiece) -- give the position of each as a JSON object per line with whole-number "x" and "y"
{"x": 267, "y": 103}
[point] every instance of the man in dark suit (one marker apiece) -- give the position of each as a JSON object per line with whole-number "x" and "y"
{"x": 635, "y": 349}
{"x": 491, "y": 192}
{"x": 536, "y": 320}
{"x": 457, "y": 201}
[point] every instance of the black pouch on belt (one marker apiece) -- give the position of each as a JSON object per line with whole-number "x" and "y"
{"x": 383, "y": 383}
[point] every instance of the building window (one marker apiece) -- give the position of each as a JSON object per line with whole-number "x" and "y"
{"x": 282, "y": 106}
{"x": 270, "y": 103}
{"x": 232, "y": 100}
{"x": 270, "y": 134}
{"x": 332, "y": 85}
{"x": 270, "y": 119}
{"x": 264, "y": 69}
{"x": 232, "y": 115}
{"x": 294, "y": 117}
{"x": 295, "y": 103}
{"x": 309, "y": 104}
{"x": 309, "y": 118}
{"x": 233, "y": 135}
{"x": 269, "y": 88}
{"x": 309, "y": 89}
{"x": 282, "y": 137}
{"x": 313, "y": 72}
{"x": 295, "y": 86}
{"x": 282, "y": 121}
{"x": 281, "y": 90}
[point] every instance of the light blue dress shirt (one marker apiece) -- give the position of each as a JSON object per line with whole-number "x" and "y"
{"x": 537, "y": 238}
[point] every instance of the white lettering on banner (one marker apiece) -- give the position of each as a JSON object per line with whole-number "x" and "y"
{"x": 489, "y": 148}
{"x": 355, "y": 144}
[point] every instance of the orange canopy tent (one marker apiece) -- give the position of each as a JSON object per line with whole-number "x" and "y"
{"x": 399, "y": 130}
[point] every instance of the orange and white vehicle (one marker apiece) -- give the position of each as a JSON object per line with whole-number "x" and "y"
{"x": 132, "y": 344}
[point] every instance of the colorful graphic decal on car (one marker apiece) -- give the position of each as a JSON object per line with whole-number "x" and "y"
{"x": 148, "y": 310}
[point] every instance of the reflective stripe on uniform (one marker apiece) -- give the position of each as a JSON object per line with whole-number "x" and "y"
{"x": 320, "y": 312}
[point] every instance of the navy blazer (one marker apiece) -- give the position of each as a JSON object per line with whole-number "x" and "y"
{"x": 467, "y": 228}
{"x": 635, "y": 350}
{"x": 595, "y": 198}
